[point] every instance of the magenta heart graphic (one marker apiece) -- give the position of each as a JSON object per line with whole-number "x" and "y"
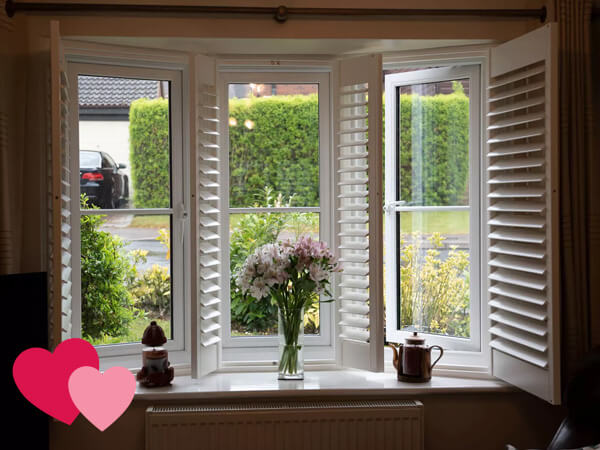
{"x": 102, "y": 397}
{"x": 43, "y": 377}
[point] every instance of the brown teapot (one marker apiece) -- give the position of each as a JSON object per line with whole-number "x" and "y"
{"x": 413, "y": 359}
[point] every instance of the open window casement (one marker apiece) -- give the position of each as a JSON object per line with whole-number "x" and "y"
{"x": 358, "y": 191}
{"x": 207, "y": 219}
{"x": 522, "y": 213}
{"x": 59, "y": 203}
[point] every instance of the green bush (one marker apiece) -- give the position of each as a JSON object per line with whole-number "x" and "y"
{"x": 149, "y": 152}
{"x": 106, "y": 303}
{"x": 434, "y": 166}
{"x": 281, "y": 150}
{"x": 152, "y": 292}
{"x": 434, "y": 293}
{"x": 252, "y": 231}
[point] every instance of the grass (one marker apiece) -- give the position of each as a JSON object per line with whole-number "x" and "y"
{"x": 150, "y": 222}
{"x": 444, "y": 222}
{"x": 135, "y": 332}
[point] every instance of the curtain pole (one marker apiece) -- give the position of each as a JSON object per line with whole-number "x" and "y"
{"x": 280, "y": 13}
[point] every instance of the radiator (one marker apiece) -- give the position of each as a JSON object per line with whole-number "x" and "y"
{"x": 319, "y": 425}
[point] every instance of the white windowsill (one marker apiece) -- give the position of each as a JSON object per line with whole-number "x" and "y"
{"x": 321, "y": 383}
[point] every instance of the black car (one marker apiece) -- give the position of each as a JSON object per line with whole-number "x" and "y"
{"x": 102, "y": 180}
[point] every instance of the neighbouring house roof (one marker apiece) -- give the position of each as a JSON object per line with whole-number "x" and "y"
{"x": 108, "y": 95}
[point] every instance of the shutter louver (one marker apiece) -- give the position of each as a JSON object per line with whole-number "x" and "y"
{"x": 522, "y": 213}
{"x": 358, "y": 216}
{"x": 60, "y": 246}
{"x": 208, "y": 222}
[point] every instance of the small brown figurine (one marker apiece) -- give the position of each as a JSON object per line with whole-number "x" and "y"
{"x": 156, "y": 370}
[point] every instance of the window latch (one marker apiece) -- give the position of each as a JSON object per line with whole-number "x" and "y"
{"x": 391, "y": 206}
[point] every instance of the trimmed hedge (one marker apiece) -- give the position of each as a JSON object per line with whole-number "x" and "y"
{"x": 149, "y": 152}
{"x": 434, "y": 154}
{"x": 280, "y": 151}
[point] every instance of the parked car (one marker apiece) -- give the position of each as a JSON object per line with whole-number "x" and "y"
{"x": 103, "y": 180}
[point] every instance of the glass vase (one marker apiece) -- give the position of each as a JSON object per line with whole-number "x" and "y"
{"x": 291, "y": 343}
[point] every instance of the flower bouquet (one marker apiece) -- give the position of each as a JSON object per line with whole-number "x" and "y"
{"x": 292, "y": 275}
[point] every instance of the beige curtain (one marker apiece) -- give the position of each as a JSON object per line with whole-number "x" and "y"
{"x": 579, "y": 187}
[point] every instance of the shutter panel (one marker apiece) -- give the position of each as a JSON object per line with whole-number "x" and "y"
{"x": 59, "y": 243}
{"x": 522, "y": 213}
{"x": 359, "y": 212}
{"x": 207, "y": 220}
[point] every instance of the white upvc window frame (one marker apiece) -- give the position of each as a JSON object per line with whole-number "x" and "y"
{"x": 472, "y": 355}
{"x": 262, "y": 350}
{"x": 108, "y": 61}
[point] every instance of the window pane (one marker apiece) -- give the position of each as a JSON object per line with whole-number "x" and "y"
{"x": 125, "y": 276}
{"x": 250, "y": 317}
{"x": 124, "y": 142}
{"x": 273, "y": 143}
{"x": 434, "y": 144}
{"x": 433, "y": 225}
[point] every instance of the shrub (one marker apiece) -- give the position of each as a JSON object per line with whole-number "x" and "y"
{"x": 106, "y": 303}
{"x": 252, "y": 231}
{"x": 434, "y": 293}
{"x": 281, "y": 150}
{"x": 152, "y": 292}
{"x": 149, "y": 152}
{"x": 440, "y": 174}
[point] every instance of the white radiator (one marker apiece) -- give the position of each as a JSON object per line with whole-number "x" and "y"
{"x": 319, "y": 425}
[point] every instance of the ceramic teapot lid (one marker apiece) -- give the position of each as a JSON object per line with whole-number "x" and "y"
{"x": 415, "y": 339}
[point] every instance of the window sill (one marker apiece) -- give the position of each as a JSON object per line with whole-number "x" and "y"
{"x": 321, "y": 383}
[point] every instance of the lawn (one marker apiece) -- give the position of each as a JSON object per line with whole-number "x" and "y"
{"x": 135, "y": 332}
{"x": 151, "y": 222}
{"x": 444, "y": 222}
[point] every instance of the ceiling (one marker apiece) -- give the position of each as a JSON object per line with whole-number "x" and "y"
{"x": 223, "y": 46}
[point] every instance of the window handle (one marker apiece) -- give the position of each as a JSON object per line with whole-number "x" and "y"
{"x": 391, "y": 206}
{"x": 183, "y": 215}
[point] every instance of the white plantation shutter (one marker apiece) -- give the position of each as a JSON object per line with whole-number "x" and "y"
{"x": 59, "y": 242}
{"x": 207, "y": 220}
{"x": 522, "y": 213}
{"x": 358, "y": 180}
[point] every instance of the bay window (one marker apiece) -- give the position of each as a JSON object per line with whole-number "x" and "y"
{"x": 285, "y": 148}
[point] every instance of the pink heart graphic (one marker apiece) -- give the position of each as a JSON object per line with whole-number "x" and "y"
{"x": 42, "y": 377}
{"x": 102, "y": 397}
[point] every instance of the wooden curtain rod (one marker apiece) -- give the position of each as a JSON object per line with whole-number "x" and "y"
{"x": 280, "y": 13}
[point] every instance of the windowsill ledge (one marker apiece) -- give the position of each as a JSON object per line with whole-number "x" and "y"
{"x": 321, "y": 383}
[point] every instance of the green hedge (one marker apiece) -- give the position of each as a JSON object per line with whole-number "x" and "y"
{"x": 280, "y": 151}
{"x": 434, "y": 154}
{"x": 149, "y": 152}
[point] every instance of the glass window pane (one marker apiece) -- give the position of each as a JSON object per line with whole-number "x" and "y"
{"x": 433, "y": 225}
{"x": 250, "y": 317}
{"x": 125, "y": 276}
{"x": 433, "y": 151}
{"x": 124, "y": 142}
{"x": 273, "y": 143}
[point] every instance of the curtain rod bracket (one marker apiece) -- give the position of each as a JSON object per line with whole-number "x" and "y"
{"x": 281, "y": 14}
